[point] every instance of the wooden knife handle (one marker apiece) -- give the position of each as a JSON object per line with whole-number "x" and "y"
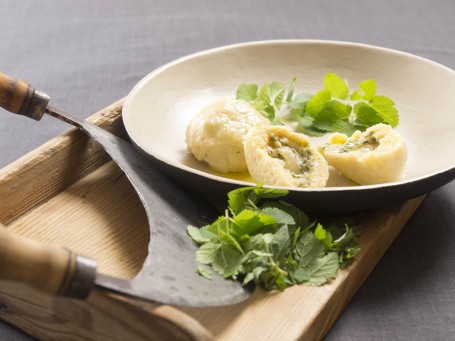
{"x": 21, "y": 98}
{"x": 51, "y": 269}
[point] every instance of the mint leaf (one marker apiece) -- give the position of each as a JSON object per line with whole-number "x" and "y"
{"x": 247, "y": 92}
{"x": 336, "y": 86}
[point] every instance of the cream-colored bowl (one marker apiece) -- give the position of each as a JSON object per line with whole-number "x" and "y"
{"x": 159, "y": 107}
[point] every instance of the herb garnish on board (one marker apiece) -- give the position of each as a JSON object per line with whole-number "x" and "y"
{"x": 273, "y": 243}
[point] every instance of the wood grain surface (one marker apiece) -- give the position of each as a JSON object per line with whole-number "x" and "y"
{"x": 67, "y": 193}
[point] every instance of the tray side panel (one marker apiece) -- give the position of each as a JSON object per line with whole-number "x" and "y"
{"x": 48, "y": 170}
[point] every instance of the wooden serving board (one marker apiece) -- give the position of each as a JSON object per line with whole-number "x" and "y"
{"x": 68, "y": 192}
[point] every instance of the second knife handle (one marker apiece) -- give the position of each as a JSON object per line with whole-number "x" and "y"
{"x": 21, "y": 98}
{"x": 48, "y": 268}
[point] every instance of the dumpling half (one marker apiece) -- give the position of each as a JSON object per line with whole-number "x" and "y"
{"x": 375, "y": 156}
{"x": 277, "y": 156}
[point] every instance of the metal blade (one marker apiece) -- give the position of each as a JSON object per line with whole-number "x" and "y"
{"x": 168, "y": 274}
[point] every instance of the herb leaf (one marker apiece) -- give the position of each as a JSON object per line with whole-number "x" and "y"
{"x": 318, "y": 102}
{"x": 385, "y": 108}
{"x": 319, "y": 271}
{"x": 204, "y": 272}
{"x": 248, "y": 197}
{"x": 273, "y": 244}
{"x": 336, "y": 86}
{"x": 247, "y": 92}
{"x": 332, "y": 109}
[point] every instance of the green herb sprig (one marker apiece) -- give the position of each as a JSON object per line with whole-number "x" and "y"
{"x": 333, "y": 109}
{"x": 274, "y": 245}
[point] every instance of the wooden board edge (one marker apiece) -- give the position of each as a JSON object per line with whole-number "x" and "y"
{"x": 55, "y": 165}
{"x": 357, "y": 276}
{"x": 103, "y": 316}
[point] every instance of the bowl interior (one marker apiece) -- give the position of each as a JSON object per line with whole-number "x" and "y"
{"x": 158, "y": 109}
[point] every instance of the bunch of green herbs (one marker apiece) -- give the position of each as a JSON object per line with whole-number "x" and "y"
{"x": 273, "y": 244}
{"x": 333, "y": 109}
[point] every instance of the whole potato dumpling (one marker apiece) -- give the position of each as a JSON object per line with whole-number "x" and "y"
{"x": 215, "y": 135}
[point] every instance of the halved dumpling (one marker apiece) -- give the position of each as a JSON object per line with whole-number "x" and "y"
{"x": 215, "y": 135}
{"x": 277, "y": 156}
{"x": 375, "y": 156}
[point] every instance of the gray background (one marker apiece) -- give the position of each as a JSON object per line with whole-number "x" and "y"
{"x": 87, "y": 54}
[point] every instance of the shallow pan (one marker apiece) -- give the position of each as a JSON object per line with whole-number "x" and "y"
{"x": 160, "y": 106}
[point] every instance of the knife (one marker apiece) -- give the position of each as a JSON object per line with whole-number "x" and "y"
{"x": 168, "y": 274}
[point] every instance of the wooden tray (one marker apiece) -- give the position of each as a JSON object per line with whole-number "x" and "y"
{"x": 68, "y": 192}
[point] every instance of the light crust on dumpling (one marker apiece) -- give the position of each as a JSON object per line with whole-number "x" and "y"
{"x": 375, "y": 156}
{"x": 215, "y": 135}
{"x": 277, "y": 156}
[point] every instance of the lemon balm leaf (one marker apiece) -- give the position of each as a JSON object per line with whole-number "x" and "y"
{"x": 366, "y": 114}
{"x": 318, "y": 102}
{"x": 319, "y": 271}
{"x": 273, "y": 94}
{"x": 251, "y": 222}
{"x": 290, "y": 94}
{"x": 336, "y": 86}
{"x": 228, "y": 261}
{"x": 248, "y": 197}
{"x": 200, "y": 235}
{"x": 247, "y": 92}
{"x": 344, "y": 127}
{"x": 369, "y": 89}
{"x": 207, "y": 253}
{"x": 204, "y": 272}
{"x": 300, "y": 101}
{"x": 385, "y": 108}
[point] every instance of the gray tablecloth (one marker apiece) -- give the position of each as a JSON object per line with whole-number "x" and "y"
{"x": 87, "y": 54}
